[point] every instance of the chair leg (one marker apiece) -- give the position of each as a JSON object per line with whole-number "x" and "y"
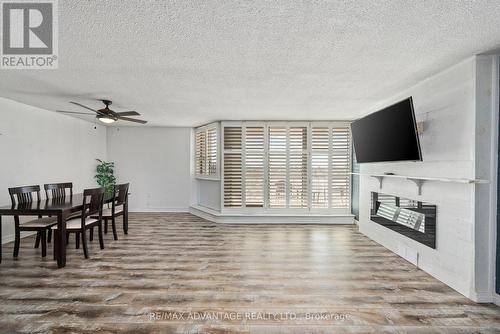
{"x": 49, "y": 236}
{"x": 17, "y": 239}
{"x": 84, "y": 244}
{"x": 126, "y": 215}
{"x": 77, "y": 236}
{"x": 113, "y": 226}
{"x": 91, "y": 238}
{"x": 55, "y": 245}
{"x": 125, "y": 223}
{"x": 101, "y": 239}
{"x": 43, "y": 237}
{"x": 37, "y": 241}
{"x": 105, "y": 226}
{"x": 67, "y": 238}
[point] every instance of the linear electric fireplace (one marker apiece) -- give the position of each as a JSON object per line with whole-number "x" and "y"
{"x": 411, "y": 218}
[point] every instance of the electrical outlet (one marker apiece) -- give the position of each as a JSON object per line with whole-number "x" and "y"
{"x": 409, "y": 254}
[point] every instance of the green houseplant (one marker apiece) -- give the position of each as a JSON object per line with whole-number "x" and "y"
{"x": 105, "y": 175}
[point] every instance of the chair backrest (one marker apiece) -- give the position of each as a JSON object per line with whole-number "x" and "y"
{"x": 58, "y": 190}
{"x": 24, "y": 194}
{"x": 120, "y": 194}
{"x": 93, "y": 200}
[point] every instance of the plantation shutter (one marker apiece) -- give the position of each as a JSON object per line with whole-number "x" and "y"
{"x": 320, "y": 167}
{"x": 232, "y": 167}
{"x": 277, "y": 166}
{"x": 297, "y": 167}
{"x": 206, "y": 151}
{"x": 254, "y": 166}
{"x": 200, "y": 145}
{"x": 211, "y": 163}
{"x": 341, "y": 168}
{"x": 284, "y": 166}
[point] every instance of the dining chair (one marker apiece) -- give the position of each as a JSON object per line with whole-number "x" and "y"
{"x": 118, "y": 208}
{"x": 91, "y": 216}
{"x": 24, "y": 196}
{"x": 58, "y": 190}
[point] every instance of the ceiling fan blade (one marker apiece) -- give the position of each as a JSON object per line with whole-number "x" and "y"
{"x": 81, "y": 105}
{"x": 132, "y": 120}
{"x": 127, "y": 113}
{"x": 74, "y": 112}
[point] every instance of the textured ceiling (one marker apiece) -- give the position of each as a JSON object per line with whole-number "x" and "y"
{"x": 185, "y": 63}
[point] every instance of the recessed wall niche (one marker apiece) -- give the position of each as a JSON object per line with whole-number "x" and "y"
{"x": 411, "y": 218}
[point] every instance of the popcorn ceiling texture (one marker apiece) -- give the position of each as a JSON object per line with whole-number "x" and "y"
{"x": 185, "y": 63}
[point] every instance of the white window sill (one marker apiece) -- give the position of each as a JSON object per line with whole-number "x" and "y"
{"x": 267, "y": 218}
{"x": 208, "y": 178}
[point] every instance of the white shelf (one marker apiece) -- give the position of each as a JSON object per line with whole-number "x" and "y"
{"x": 419, "y": 180}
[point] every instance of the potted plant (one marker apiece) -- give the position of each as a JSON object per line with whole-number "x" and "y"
{"x": 105, "y": 175}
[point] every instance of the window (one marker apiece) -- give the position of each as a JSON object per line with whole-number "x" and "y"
{"x": 232, "y": 167}
{"x": 340, "y": 162}
{"x": 320, "y": 167}
{"x": 254, "y": 167}
{"x": 287, "y": 167}
{"x": 206, "y": 151}
{"x": 297, "y": 166}
{"x": 277, "y": 167}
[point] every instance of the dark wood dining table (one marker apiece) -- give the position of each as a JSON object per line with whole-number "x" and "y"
{"x": 61, "y": 208}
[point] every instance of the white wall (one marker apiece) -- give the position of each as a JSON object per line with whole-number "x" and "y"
{"x": 446, "y": 103}
{"x": 39, "y": 146}
{"x": 209, "y": 194}
{"x": 156, "y": 161}
{"x": 486, "y": 157}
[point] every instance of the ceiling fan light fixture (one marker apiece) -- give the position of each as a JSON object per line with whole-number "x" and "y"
{"x": 106, "y": 119}
{"x": 108, "y": 116}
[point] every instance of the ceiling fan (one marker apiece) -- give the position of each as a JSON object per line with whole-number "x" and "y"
{"x": 107, "y": 115}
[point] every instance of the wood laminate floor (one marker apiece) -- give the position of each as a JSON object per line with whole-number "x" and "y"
{"x": 176, "y": 273}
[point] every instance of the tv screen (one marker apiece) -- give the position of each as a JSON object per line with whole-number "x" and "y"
{"x": 387, "y": 135}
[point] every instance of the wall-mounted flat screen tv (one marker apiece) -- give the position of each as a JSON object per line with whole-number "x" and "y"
{"x": 389, "y": 134}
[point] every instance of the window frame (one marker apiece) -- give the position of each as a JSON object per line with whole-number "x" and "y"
{"x": 287, "y": 210}
{"x": 206, "y": 128}
{"x": 287, "y": 125}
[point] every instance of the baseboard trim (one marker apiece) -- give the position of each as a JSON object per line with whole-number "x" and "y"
{"x": 185, "y": 209}
{"x": 482, "y": 297}
{"x": 496, "y": 299}
{"x": 10, "y": 237}
{"x": 227, "y": 218}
